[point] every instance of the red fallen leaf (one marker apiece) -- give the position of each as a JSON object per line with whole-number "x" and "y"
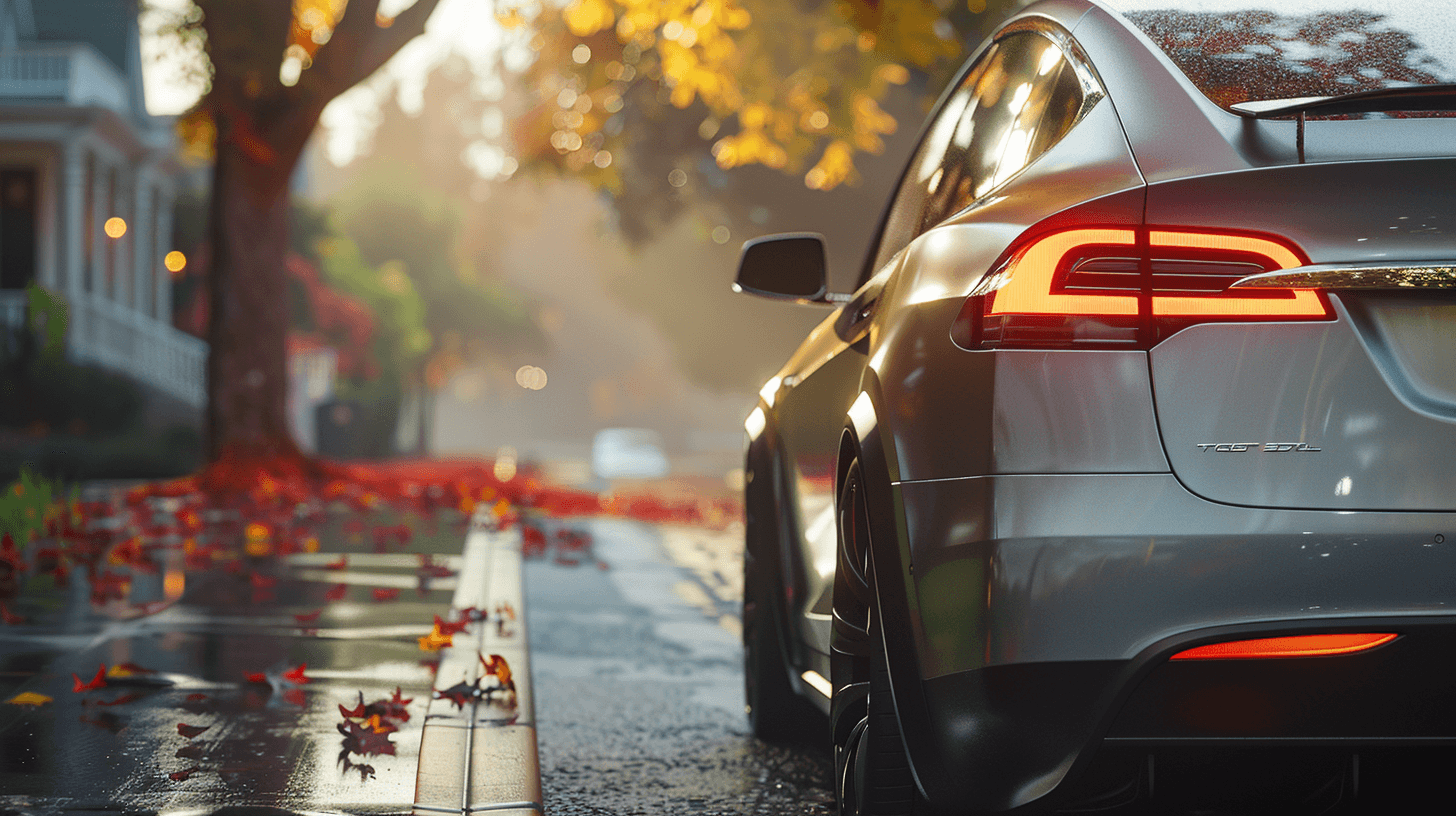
{"x": 498, "y": 666}
{"x": 295, "y": 675}
{"x": 9, "y": 617}
{"x": 357, "y": 711}
{"x": 261, "y": 581}
{"x": 362, "y": 741}
{"x": 190, "y": 731}
{"x": 183, "y": 776}
{"x": 196, "y": 698}
{"x": 393, "y": 708}
{"x": 99, "y": 681}
{"x": 533, "y": 539}
{"x": 122, "y": 700}
{"x": 450, "y": 627}
{"x": 257, "y": 677}
{"x": 341, "y": 563}
{"x": 385, "y": 593}
{"x": 294, "y": 696}
{"x": 337, "y": 592}
{"x": 308, "y": 617}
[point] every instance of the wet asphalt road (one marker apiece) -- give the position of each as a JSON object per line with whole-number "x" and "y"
{"x": 637, "y": 671}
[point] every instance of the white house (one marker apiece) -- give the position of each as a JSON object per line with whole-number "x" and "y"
{"x": 77, "y": 150}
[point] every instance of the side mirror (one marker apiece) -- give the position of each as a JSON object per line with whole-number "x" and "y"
{"x": 784, "y": 267}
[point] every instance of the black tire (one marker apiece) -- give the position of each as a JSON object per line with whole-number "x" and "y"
{"x": 872, "y": 773}
{"x": 775, "y": 712}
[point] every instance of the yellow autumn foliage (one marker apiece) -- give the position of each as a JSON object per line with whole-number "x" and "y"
{"x": 782, "y": 86}
{"x": 834, "y": 168}
{"x": 587, "y": 17}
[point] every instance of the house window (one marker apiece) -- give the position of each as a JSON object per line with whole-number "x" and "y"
{"x": 17, "y": 227}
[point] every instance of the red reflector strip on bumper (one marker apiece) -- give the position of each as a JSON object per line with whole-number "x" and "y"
{"x": 1292, "y": 646}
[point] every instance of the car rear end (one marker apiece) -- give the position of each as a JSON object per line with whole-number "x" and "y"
{"x": 1225, "y": 564}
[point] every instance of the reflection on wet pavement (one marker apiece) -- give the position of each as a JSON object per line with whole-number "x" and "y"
{"x": 278, "y": 681}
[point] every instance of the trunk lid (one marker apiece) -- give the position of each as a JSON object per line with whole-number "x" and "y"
{"x": 1357, "y": 413}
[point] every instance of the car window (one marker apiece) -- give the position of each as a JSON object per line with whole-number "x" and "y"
{"x": 1017, "y": 100}
{"x": 1246, "y": 51}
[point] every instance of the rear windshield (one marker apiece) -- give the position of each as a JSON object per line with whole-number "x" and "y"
{"x": 1254, "y": 50}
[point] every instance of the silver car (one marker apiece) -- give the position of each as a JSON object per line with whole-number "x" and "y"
{"x": 1129, "y": 467}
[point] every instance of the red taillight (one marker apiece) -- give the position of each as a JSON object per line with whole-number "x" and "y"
{"x": 1290, "y": 646}
{"x": 1125, "y": 287}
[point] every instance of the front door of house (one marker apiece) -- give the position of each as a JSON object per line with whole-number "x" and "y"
{"x": 17, "y": 227}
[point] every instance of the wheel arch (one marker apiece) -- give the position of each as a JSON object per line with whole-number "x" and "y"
{"x": 867, "y": 438}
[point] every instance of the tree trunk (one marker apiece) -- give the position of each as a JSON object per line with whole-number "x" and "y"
{"x": 247, "y": 383}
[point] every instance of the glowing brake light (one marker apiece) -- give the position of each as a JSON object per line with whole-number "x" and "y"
{"x": 1290, "y": 646}
{"x": 1031, "y": 278}
{"x": 1304, "y": 303}
{"x": 1125, "y": 286}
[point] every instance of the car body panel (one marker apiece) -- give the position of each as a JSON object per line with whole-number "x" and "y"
{"x": 940, "y": 269}
{"x": 1041, "y": 555}
{"x": 1043, "y": 530}
{"x": 1327, "y": 428}
{"x": 1349, "y": 414}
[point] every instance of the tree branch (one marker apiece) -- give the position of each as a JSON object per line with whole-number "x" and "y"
{"x": 359, "y": 45}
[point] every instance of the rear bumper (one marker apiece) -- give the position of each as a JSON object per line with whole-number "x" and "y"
{"x": 1043, "y": 610}
{"x": 1069, "y": 732}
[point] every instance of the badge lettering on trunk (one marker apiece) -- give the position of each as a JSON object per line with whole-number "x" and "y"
{"x": 1261, "y": 447}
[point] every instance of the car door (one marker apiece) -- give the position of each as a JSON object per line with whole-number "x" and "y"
{"x": 1011, "y": 103}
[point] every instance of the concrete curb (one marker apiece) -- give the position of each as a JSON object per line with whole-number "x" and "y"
{"x": 478, "y": 747}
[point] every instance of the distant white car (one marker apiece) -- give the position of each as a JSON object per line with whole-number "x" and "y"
{"x": 628, "y": 453}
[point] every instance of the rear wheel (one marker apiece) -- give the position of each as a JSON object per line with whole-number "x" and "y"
{"x": 872, "y": 773}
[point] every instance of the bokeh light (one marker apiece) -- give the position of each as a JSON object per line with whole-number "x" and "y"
{"x": 531, "y": 377}
{"x": 115, "y": 227}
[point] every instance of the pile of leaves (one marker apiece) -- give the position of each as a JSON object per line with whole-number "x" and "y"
{"x": 241, "y": 509}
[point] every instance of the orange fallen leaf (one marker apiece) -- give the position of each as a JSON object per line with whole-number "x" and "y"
{"x": 29, "y": 698}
